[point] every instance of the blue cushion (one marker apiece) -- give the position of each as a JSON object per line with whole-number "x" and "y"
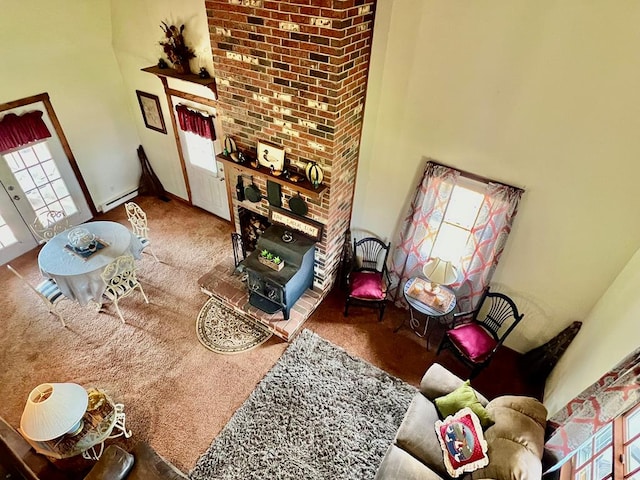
{"x": 144, "y": 240}
{"x": 50, "y": 290}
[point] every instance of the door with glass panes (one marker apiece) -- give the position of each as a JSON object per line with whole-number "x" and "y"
{"x": 35, "y": 179}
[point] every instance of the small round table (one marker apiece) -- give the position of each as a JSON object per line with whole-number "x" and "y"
{"x": 431, "y": 303}
{"x": 77, "y": 277}
{"x": 102, "y": 417}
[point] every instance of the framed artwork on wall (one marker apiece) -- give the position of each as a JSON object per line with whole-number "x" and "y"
{"x": 151, "y": 111}
{"x": 270, "y": 156}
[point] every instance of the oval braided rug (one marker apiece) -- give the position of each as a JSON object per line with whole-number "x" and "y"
{"x": 222, "y": 329}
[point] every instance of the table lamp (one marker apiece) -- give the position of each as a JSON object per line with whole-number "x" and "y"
{"x": 440, "y": 272}
{"x": 52, "y": 410}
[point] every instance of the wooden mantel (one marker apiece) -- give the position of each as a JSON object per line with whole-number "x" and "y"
{"x": 303, "y": 186}
{"x": 210, "y": 82}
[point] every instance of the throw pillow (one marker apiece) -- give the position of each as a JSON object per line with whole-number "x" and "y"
{"x": 367, "y": 285}
{"x": 462, "y": 442}
{"x": 461, "y": 397}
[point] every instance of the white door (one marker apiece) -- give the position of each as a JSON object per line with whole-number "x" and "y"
{"x": 36, "y": 179}
{"x": 205, "y": 174}
{"x": 15, "y": 236}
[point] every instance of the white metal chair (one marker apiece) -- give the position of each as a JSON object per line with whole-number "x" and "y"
{"x": 56, "y": 222}
{"x": 48, "y": 291}
{"x": 120, "y": 278}
{"x": 138, "y": 220}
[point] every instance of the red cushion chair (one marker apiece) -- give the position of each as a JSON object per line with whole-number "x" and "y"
{"x": 477, "y": 335}
{"x": 367, "y": 285}
{"x": 368, "y": 281}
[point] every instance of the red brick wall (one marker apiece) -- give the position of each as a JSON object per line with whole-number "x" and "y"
{"x": 294, "y": 73}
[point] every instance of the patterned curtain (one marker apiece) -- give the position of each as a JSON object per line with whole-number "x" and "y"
{"x": 195, "y": 122}
{"x": 488, "y": 237}
{"x": 421, "y": 225}
{"x": 19, "y": 130}
{"x": 613, "y": 394}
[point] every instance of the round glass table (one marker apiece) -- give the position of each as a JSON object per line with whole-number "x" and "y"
{"x": 428, "y": 300}
{"x": 102, "y": 417}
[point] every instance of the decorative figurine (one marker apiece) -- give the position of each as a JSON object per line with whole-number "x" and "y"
{"x": 314, "y": 174}
{"x": 203, "y": 73}
{"x": 162, "y": 63}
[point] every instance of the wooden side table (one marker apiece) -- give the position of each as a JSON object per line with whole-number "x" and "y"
{"x": 102, "y": 418}
{"x": 430, "y": 305}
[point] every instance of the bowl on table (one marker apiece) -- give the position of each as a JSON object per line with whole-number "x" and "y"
{"x": 82, "y": 239}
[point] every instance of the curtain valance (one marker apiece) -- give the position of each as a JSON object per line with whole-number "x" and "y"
{"x": 19, "y": 130}
{"x": 613, "y": 394}
{"x": 195, "y": 122}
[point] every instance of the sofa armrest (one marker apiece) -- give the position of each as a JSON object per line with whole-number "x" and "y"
{"x": 150, "y": 465}
{"x": 438, "y": 381}
{"x": 114, "y": 464}
{"x": 516, "y": 440}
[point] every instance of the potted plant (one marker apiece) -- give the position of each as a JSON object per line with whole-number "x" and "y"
{"x": 177, "y": 51}
{"x": 270, "y": 260}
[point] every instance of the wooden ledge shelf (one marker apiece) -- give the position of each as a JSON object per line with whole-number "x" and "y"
{"x": 210, "y": 83}
{"x": 303, "y": 187}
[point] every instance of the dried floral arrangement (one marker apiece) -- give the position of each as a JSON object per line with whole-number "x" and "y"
{"x": 174, "y": 46}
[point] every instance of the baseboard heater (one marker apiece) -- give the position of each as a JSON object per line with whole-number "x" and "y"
{"x": 113, "y": 203}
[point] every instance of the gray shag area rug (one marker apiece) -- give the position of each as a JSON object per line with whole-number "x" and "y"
{"x": 319, "y": 413}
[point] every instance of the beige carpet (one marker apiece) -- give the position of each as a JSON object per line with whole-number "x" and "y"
{"x": 177, "y": 394}
{"x": 154, "y": 364}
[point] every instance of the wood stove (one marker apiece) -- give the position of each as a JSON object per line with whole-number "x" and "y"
{"x": 272, "y": 291}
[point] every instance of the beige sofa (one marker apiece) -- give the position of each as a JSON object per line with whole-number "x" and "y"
{"x": 515, "y": 441}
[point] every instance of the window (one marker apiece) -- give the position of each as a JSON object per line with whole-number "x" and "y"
{"x": 200, "y": 151}
{"x": 37, "y": 174}
{"x": 613, "y": 452}
{"x": 459, "y": 217}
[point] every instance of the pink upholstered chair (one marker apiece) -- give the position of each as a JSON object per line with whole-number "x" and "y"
{"x": 478, "y": 334}
{"x": 368, "y": 282}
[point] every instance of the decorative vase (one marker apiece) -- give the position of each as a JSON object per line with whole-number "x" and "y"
{"x": 314, "y": 174}
{"x": 182, "y": 67}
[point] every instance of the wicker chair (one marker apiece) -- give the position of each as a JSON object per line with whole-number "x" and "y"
{"x": 477, "y": 334}
{"x": 368, "y": 281}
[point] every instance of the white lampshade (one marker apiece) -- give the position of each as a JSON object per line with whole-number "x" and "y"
{"x": 440, "y": 271}
{"x": 52, "y": 410}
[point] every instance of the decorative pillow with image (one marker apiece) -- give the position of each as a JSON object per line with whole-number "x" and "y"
{"x": 462, "y": 442}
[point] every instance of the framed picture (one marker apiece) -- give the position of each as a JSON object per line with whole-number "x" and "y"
{"x": 270, "y": 156}
{"x": 151, "y": 112}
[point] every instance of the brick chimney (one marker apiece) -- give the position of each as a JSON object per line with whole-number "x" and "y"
{"x": 294, "y": 73}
